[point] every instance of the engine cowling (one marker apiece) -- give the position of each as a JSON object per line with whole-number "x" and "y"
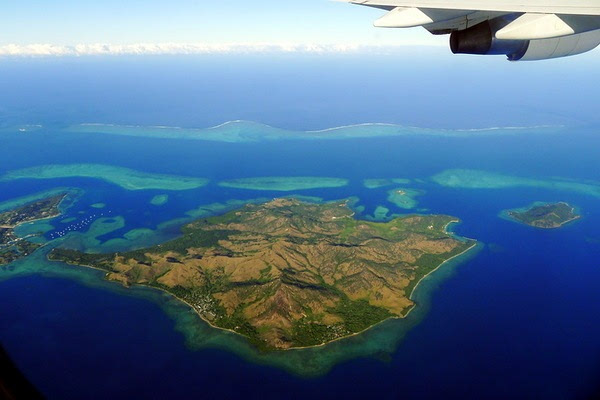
{"x": 544, "y": 49}
{"x": 481, "y": 39}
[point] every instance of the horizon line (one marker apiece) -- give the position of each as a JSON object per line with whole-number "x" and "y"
{"x": 99, "y": 49}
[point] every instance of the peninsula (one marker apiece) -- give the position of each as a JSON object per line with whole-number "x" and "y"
{"x": 545, "y": 215}
{"x": 13, "y": 247}
{"x": 289, "y": 274}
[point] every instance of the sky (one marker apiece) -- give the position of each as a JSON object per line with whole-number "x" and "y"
{"x": 42, "y": 25}
{"x": 405, "y": 84}
{"x": 117, "y": 27}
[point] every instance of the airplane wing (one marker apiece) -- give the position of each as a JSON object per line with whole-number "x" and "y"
{"x": 519, "y": 29}
{"x": 576, "y": 7}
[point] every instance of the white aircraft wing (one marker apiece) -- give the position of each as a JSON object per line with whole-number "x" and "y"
{"x": 574, "y": 7}
{"x": 520, "y": 29}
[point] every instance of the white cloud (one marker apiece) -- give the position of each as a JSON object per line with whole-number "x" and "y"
{"x": 44, "y": 50}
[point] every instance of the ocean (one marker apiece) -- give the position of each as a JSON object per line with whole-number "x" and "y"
{"x": 518, "y": 318}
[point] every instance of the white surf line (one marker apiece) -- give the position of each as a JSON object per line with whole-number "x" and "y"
{"x": 364, "y": 124}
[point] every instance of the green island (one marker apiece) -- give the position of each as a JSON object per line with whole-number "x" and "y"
{"x": 287, "y": 273}
{"x": 284, "y": 183}
{"x": 126, "y": 178}
{"x": 544, "y": 215}
{"x": 12, "y": 246}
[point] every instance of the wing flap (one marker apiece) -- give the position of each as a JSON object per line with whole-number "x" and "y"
{"x": 461, "y": 23}
{"x": 403, "y": 17}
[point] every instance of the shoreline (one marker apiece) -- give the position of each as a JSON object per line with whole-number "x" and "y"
{"x": 36, "y": 220}
{"x": 106, "y": 273}
{"x": 432, "y": 271}
{"x": 409, "y": 297}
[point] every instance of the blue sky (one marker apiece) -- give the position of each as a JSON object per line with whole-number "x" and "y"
{"x": 70, "y": 22}
{"x": 80, "y": 27}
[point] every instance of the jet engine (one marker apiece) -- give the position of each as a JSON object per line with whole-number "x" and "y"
{"x": 481, "y": 39}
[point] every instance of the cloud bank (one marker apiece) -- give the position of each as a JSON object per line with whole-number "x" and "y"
{"x": 46, "y": 50}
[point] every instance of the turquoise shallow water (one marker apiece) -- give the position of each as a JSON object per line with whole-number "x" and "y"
{"x": 516, "y": 318}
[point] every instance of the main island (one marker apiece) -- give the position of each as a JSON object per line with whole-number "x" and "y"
{"x": 287, "y": 273}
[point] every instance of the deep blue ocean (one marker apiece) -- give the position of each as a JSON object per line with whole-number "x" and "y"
{"x": 519, "y": 319}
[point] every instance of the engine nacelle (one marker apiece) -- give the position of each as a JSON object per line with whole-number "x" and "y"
{"x": 481, "y": 39}
{"x": 544, "y": 49}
